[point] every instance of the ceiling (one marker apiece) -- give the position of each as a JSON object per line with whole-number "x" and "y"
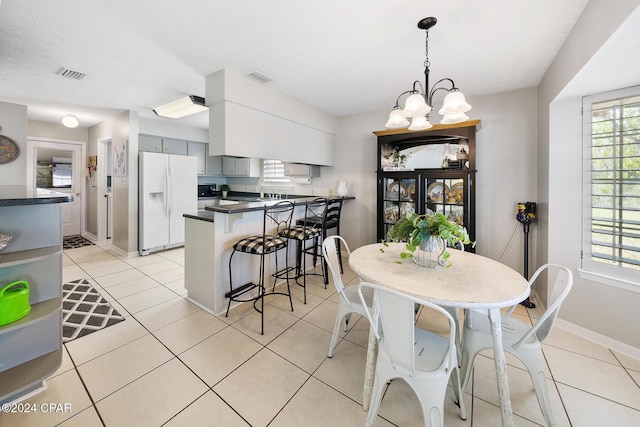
{"x": 340, "y": 57}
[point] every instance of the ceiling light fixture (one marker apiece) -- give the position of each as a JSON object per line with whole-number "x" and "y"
{"x": 70, "y": 121}
{"x": 182, "y": 107}
{"x": 419, "y": 102}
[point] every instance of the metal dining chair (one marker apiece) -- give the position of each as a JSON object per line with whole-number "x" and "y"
{"x": 424, "y": 360}
{"x": 521, "y": 340}
{"x": 349, "y": 301}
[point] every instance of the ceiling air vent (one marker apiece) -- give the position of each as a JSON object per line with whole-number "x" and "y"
{"x": 256, "y": 75}
{"x": 70, "y": 74}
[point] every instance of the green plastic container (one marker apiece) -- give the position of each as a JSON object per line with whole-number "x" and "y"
{"x": 14, "y": 302}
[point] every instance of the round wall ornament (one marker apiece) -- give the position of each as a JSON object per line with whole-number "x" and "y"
{"x": 9, "y": 150}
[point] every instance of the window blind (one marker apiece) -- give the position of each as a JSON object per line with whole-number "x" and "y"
{"x": 615, "y": 182}
{"x": 273, "y": 171}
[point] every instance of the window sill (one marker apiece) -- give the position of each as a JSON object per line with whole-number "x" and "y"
{"x": 611, "y": 281}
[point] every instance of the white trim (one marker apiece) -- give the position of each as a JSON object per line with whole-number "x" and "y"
{"x": 598, "y": 338}
{"x": 34, "y": 142}
{"x": 611, "y": 281}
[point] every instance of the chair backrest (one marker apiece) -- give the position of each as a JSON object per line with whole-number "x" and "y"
{"x": 316, "y": 213}
{"x": 279, "y": 215}
{"x": 330, "y": 252}
{"x": 559, "y": 290}
{"x": 334, "y": 208}
{"x": 393, "y": 321}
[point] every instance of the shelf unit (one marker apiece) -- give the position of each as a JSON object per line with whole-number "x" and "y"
{"x": 426, "y": 185}
{"x": 31, "y": 347}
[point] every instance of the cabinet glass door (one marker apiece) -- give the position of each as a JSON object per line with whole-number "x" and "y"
{"x": 399, "y": 195}
{"x": 446, "y": 196}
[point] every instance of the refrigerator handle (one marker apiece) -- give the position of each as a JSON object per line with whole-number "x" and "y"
{"x": 168, "y": 189}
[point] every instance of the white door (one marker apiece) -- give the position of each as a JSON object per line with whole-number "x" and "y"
{"x": 58, "y": 166}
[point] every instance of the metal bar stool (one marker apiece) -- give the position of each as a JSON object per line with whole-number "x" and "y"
{"x": 311, "y": 228}
{"x": 334, "y": 209}
{"x": 263, "y": 244}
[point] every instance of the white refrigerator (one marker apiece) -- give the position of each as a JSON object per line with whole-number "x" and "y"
{"x": 167, "y": 189}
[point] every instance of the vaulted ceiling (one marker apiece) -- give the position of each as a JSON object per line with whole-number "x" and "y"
{"x": 341, "y": 57}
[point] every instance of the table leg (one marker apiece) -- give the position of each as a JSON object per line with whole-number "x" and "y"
{"x": 495, "y": 321}
{"x": 370, "y": 369}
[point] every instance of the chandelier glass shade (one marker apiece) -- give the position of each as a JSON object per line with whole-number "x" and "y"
{"x": 419, "y": 103}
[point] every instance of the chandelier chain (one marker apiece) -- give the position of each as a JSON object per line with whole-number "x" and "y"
{"x": 427, "y": 64}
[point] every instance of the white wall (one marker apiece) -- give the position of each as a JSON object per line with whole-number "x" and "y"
{"x": 584, "y": 66}
{"x": 125, "y": 189}
{"x": 57, "y": 131}
{"x": 13, "y": 119}
{"x": 506, "y": 161}
{"x": 170, "y": 130}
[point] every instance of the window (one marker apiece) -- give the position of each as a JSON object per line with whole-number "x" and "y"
{"x": 273, "y": 172}
{"x": 611, "y": 239}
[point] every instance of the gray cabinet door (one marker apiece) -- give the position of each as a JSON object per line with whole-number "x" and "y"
{"x": 228, "y": 166}
{"x": 199, "y": 151}
{"x": 174, "y": 146}
{"x": 151, "y": 143}
{"x": 214, "y": 165}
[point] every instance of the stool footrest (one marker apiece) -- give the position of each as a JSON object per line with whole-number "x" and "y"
{"x": 236, "y": 292}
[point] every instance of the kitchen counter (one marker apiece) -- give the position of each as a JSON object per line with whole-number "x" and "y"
{"x": 232, "y": 205}
{"x": 209, "y": 237}
{"x": 20, "y": 195}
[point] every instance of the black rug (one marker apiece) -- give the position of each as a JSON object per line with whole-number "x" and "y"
{"x": 77, "y": 241}
{"x": 84, "y": 310}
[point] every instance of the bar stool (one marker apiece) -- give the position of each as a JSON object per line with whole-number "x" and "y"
{"x": 334, "y": 209}
{"x": 263, "y": 244}
{"x": 311, "y": 228}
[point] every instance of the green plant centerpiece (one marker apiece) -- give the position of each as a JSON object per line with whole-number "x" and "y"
{"x": 224, "y": 188}
{"x": 416, "y": 231}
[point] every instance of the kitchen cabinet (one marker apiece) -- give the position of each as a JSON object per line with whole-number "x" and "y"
{"x": 174, "y": 146}
{"x": 31, "y": 347}
{"x": 199, "y": 151}
{"x": 240, "y": 166}
{"x": 438, "y": 174}
{"x": 151, "y": 143}
{"x": 214, "y": 165}
{"x": 300, "y": 169}
{"x": 158, "y": 144}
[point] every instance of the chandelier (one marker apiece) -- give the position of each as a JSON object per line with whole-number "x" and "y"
{"x": 419, "y": 102}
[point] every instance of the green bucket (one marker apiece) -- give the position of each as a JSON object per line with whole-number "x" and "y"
{"x": 14, "y": 302}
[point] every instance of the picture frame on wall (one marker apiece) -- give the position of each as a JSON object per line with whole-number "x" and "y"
{"x": 120, "y": 158}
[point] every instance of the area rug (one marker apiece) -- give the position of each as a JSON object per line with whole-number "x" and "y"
{"x": 84, "y": 310}
{"x": 77, "y": 241}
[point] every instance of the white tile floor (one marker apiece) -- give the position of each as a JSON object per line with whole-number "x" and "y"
{"x": 170, "y": 363}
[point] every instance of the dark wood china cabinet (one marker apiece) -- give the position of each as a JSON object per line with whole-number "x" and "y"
{"x": 434, "y": 169}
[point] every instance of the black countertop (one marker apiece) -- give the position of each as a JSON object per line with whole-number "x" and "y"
{"x": 232, "y": 204}
{"x": 20, "y": 195}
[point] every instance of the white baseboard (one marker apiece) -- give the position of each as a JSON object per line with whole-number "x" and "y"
{"x": 598, "y": 338}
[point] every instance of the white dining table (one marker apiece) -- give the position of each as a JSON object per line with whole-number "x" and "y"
{"x": 470, "y": 282}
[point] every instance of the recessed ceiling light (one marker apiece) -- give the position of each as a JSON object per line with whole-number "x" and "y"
{"x": 70, "y": 121}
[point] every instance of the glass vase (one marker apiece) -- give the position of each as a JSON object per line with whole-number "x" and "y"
{"x": 429, "y": 253}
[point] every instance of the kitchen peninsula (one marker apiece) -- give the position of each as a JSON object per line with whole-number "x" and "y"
{"x": 209, "y": 238}
{"x": 31, "y": 345}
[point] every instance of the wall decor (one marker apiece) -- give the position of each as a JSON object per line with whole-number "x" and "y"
{"x": 120, "y": 158}
{"x": 9, "y": 150}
